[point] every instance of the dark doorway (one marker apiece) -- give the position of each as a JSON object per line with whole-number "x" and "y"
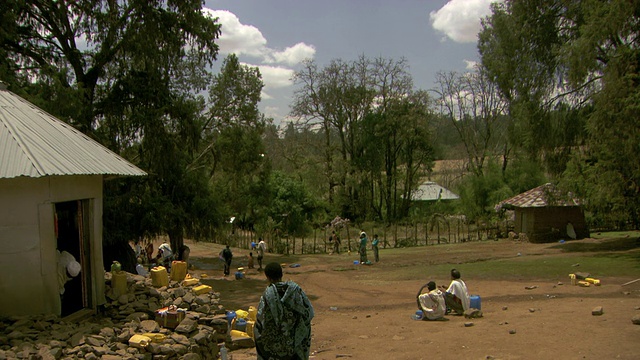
{"x": 72, "y": 232}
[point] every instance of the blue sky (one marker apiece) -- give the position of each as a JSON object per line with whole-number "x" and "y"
{"x": 276, "y": 35}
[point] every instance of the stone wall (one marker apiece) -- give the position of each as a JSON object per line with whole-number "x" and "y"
{"x": 107, "y": 335}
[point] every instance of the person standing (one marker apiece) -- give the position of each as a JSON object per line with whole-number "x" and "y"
{"x": 250, "y": 260}
{"x": 336, "y": 243}
{"x": 374, "y": 247}
{"x": 283, "y": 322}
{"x": 456, "y": 295}
{"x": 363, "y": 248}
{"x": 432, "y": 302}
{"x": 261, "y": 248}
{"x": 227, "y": 255}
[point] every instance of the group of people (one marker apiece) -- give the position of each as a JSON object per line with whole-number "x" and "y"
{"x": 362, "y": 246}
{"x": 226, "y": 255}
{"x": 362, "y": 249}
{"x": 435, "y": 303}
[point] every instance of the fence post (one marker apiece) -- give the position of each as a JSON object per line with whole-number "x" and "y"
{"x": 395, "y": 234}
{"x": 426, "y": 234}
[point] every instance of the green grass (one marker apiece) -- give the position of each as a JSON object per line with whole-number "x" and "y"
{"x": 548, "y": 267}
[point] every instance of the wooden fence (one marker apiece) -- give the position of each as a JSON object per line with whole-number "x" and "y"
{"x": 441, "y": 231}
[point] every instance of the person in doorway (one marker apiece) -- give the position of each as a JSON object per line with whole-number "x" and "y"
{"x": 456, "y": 296}
{"x": 250, "y": 261}
{"x": 68, "y": 268}
{"x": 227, "y": 255}
{"x": 283, "y": 322}
{"x": 261, "y": 248}
{"x": 374, "y": 247}
{"x": 363, "y": 248}
{"x": 431, "y": 302}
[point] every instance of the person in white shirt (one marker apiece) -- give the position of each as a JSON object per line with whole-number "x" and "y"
{"x": 68, "y": 268}
{"x": 456, "y": 296}
{"x": 431, "y": 303}
{"x": 165, "y": 255}
{"x": 262, "y": 247}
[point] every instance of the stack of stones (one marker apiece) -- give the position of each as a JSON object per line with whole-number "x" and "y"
{"x": 106, "y": 335}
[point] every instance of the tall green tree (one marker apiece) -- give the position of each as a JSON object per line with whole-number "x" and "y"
{"x": 347, "y": 102}
{"x": 583, "y": 55}
{"x": 233, "y": 132}
{"x": 475, "y": 108}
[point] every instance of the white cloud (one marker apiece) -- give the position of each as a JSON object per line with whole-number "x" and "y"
{"x": 242, "y": 39}
{"x": 292, "y": 55}
{"x": 459, "y": 20}
{"x": 236, "y": 37}
{"x": 471, "y": 65}
{"x": 275, "y": 77}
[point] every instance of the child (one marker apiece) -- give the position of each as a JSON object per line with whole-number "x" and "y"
{"x": 250, "y": 264}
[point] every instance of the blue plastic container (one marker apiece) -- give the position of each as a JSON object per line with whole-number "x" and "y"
{"x": 475, "y": 302}
{"x": 241, "y": 324}
{"x": 230, "y": 316}
{"x": 356, "y": 262}
{"x": 239, "y": 275}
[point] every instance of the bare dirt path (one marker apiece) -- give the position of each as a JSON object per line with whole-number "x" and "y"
{"x": 373, "y": 306}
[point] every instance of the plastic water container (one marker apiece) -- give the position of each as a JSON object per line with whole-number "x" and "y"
{"x": 252, "y": 313}
{"x": 418, "y": 315}
{"x": 241, "y": 325}
{"x": 475, "y": 302}
{"x": 356, "y": 262}
{"x": 230, "y": 316}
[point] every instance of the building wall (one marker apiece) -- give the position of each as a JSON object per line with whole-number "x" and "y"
{"x": 28, "y": 260}
{"x": 548, "y": 224}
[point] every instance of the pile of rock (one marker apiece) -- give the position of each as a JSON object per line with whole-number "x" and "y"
{"x": 107, "y": 335}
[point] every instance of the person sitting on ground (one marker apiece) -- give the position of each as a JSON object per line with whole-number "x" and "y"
{"x": 431, "y": 302}
{"x": 283, "y": 322}
{"x": 456, "y": 296}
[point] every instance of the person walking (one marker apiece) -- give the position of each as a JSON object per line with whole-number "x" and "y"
{"x": 336, "y": 243}
{"x": 261, "y": 248}
{"x": 363, "y": 248}
{"x": 227, "y": 255}
{"x": 374, "y": 247}
{"x": 283, "y": 322}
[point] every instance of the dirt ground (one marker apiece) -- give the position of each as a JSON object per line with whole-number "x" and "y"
{"x": 364, "y": 312}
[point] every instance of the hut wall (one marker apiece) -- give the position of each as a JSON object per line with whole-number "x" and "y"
{"x": 550, "y": 223}
{"x": 28, "y": 260}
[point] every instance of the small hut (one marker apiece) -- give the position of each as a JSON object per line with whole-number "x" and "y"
{"x": 544, "y": 214}
{"x": 51, "y": 178}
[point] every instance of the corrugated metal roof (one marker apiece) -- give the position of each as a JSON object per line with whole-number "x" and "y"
{"x": 430, "y": 191}
{"x": 541, "y": 196}
{"x": 33, "y": 143}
